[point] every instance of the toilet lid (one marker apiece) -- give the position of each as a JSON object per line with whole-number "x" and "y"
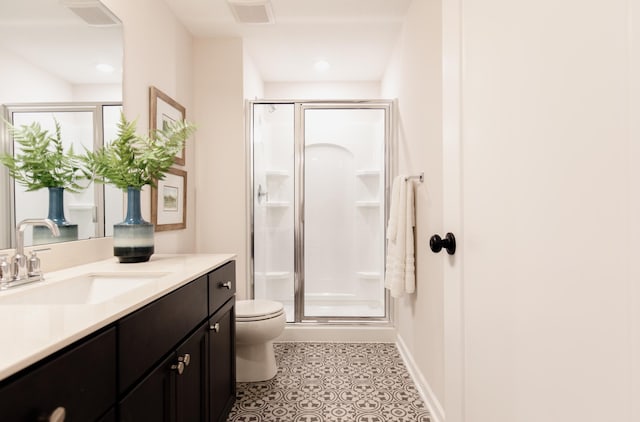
{"x": 257, "y": 309}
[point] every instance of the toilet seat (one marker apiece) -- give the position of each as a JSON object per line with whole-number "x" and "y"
{"x": 257, "y": 310}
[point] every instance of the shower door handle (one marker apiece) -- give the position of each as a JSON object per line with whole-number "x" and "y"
{"x": 262, "y": 193}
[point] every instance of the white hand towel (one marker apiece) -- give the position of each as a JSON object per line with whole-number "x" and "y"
{"x": 392, "y": 225}
{"x": 410, "y": 259}
{"x": 400, "y": 271}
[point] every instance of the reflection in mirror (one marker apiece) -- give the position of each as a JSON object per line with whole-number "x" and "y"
{"x": 50, "y": 52}
{"x": 83, "y": 126}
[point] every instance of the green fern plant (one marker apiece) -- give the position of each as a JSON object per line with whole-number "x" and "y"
{"x": 41, "y": 161}
{"x": 134, "y": 161}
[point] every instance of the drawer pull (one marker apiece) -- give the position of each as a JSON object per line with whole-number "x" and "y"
{"x": 58, "y": 415}
{"x": 215, "y": 327}
{"x": 183, "y": 362}
{"x": 179, "y": 367}
{"x": 226, "y": 284}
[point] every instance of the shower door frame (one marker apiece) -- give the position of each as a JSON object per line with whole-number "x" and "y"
{"x": 299, "y": 160}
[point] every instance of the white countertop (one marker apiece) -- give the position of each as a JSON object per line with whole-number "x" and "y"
{"x": 29, "y": 333}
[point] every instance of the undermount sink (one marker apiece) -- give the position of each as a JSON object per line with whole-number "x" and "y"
{"x": 87, "y": 289}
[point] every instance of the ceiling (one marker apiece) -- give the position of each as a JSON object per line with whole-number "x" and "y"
{"x": 52, "y": 37}
{"x": 355, "y": 37}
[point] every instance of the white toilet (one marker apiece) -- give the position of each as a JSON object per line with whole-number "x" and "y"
{"x": 258, "y": 323}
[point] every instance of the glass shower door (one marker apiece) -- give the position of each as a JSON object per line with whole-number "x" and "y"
{"x": 343, "y": 212}
{"x": 273, "y": 204}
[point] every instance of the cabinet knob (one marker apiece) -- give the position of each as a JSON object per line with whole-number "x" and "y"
{"x": 215, "y": 327}
{"x": 186, "y": 359}
{"x": 226, "y": 284}
{"x": 179, "y": 367}
{"x": 57, "y": 415}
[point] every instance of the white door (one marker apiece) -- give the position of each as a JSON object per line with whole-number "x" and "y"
{"x": 541, "y": 188}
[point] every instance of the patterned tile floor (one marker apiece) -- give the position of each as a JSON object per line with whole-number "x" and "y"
{"x": 332, "y": 382}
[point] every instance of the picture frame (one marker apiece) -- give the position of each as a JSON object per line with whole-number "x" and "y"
{"x": 164, "y": 109}
{"x": 169, "y": 201}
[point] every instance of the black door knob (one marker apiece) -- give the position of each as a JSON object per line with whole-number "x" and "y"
{"x": 436, "y": 243}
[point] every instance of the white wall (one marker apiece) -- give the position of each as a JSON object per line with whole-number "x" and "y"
{"x": 253, "y": 85}
{"x": 414, "y": 78}
{"x": 634, "y": 155}
{"x": 221, "y": 160}
{"x": 22, "y": 82}
{"x": 102, "y": 92}
{"x": 169, "y": 68}
{"x": 322, "y": 90}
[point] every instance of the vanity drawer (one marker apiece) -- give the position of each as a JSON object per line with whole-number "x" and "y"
{"x": 82, "y": 380}
{"x": 222, "y": 285}
{"x": 149, "y": 333}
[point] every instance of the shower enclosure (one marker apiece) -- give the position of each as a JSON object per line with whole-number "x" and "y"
{"x": 319, "y": 182}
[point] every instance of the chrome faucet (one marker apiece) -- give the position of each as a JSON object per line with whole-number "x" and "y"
{"x": 21, "y": 269}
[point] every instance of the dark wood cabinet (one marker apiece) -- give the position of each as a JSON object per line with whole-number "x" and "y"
{"x": 222, "y": 361}
{"x": 192, "y": 385}
{"x": 80, "y": 379}
{"x": 176, "y": 389}
{"x": 222, "y": 286}
{"x": 151, "y": 399}
{"x": 171, "y": 361}
{"x": 148, "y": 334}
{"x": 196, "y": 381}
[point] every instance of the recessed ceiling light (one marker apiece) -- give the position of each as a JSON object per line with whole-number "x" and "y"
{"x": 322, "y": 65}
{"x": 104, "y": 67}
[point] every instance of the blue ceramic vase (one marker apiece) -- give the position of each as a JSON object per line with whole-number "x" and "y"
{"x": 133, "y": 238}
{"x": 68, "y": 231}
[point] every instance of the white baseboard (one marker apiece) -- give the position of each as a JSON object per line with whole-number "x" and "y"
{"x": 432, "y": 402}
{"x": 328, "y": 333}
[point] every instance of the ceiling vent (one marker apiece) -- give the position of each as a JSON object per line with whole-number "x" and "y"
{"x": 93, "y": 12}
{"x": 252, "y": 11}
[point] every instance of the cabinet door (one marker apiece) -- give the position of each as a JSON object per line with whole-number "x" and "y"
{"x": 153, "y": 399}
{"x": 222, "y": 361}
{"x": 176, "y": 390}
{"x": 109, "y": 417}
{"x": 81, "y": 380}
{"x": 148, "y": 334}
{"x": 191, "y": 385}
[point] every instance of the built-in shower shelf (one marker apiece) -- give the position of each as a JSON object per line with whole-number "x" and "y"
{"x": 273, "y": 275}
{"x": 368, "y": 204}
{"x": 368, "y": 173}
{"x": 277, "y": 275}
{"x": 277, "y": 173}
{"x": 368, "y": 275}
{"x": 277, "y": 204}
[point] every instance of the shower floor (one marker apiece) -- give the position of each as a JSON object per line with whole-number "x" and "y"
{"x": 337, "y": 310}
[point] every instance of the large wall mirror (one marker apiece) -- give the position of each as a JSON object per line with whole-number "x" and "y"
{"x": 60, "y": 60}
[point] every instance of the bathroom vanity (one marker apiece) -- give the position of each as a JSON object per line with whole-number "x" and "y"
{"x": 163, "y": 350}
